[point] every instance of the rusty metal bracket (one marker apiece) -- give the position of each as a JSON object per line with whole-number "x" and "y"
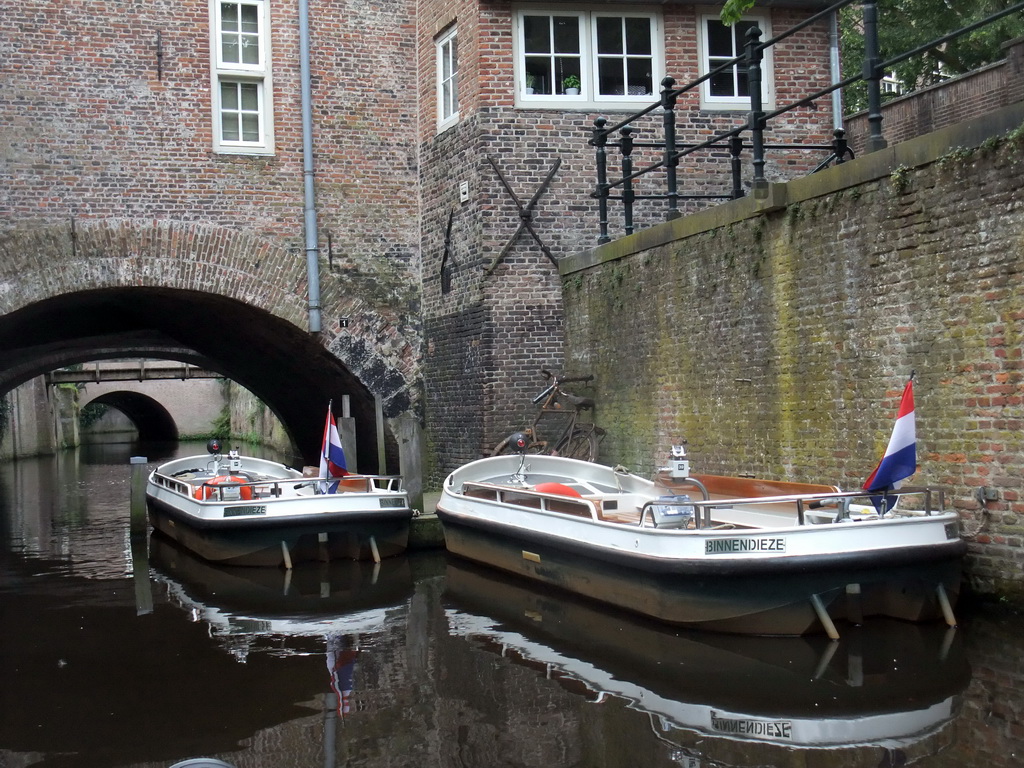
{"x": 525, "y": 213}
{"x": 446, "y": 268}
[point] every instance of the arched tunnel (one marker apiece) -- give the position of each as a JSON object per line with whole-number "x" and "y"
{"x": 151, "y": 419}
{"x": 287, "y": 368}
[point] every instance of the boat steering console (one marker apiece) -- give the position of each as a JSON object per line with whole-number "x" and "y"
{"x": 214, "y": 448}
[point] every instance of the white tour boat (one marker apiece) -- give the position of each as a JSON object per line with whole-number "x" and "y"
{"x": 721, "y": 553}
{"x": 242, "y": 510}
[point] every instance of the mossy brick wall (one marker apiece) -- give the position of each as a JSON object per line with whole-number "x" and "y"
{"x": 777, "y": 343}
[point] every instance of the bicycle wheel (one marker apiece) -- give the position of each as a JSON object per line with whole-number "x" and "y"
{"x": 581, "y": 444}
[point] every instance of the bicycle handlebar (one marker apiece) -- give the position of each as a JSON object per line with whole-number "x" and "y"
{"x": 578, "y": 402}
{"x": 543, "y": 394}
{"x": 549, "y": 375}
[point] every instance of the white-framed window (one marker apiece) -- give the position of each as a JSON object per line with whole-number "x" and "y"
{"x": 573, "y": 58}
{"x": 729, "y": 89}
{"x": 241, "y": 85}
{"x": 447, "y": 79}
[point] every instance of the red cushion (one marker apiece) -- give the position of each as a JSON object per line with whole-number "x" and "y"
{"x": 557, "y": 488}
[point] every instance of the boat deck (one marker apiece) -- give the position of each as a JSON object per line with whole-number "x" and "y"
{"x": 246, "y": 484}
{"x": 598, "y": 503}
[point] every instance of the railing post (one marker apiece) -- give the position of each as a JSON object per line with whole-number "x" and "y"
{"x": 840, "y": 145}
{"x": 600, "y": 141}
{"x": 626, "y": 145}
{"x": 754, "y": 54}
{"x": 668, "y": 106}
{"x": 735, "y": 149}
{"x": 873, "y": 78}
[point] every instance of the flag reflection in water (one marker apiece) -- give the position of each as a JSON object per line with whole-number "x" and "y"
{"x": 342, "y": 651}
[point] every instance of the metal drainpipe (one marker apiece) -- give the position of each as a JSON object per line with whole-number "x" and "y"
{"x": 837, "y": 73}
{"x": 312, "y": 239}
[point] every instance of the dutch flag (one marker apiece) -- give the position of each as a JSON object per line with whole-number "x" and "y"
{"x": 900, "y": 459}
{"x": 332, "y": 456}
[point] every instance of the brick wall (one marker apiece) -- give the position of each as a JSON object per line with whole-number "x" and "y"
{"x": 948, "y": 103}
{"x": 94, "y": 130}
{"x": 778, "y": 344}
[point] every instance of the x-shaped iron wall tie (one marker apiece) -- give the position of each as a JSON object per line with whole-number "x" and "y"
{"x": 525, "y": 214}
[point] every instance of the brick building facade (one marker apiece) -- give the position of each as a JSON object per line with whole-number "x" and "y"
{"x": 492, "y": 298}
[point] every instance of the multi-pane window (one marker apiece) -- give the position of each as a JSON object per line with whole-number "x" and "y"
{"x": 241, "y": 77}
{"x": 587, "y": 56}
{"x": 447, "y": 79}
{"x": 625, "y": 55}
{"x": 730, "y": 86}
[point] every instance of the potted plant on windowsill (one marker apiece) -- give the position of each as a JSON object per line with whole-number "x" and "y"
{"x": 571, "y": 84}
{"x": 531, "y": 83}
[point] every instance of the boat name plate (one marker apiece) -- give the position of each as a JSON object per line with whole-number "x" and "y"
{"x": 758, "y": 729}
{"x": 249, "y": 509}
{"x": 398, "y": 501}
{"x": 732, "y": 546}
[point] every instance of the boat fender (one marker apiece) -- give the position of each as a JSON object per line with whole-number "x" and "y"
{"x": 205, "y": 492}
{"x": 557, "y": 489}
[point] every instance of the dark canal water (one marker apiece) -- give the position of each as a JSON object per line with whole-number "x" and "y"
{"x": 117, "y": 651}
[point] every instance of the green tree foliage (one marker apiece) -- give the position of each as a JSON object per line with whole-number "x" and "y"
{"x": 905, "y": 25}
{"x": 733, "y": 10}
{"x": 90, "y": 414}
{"x": 909, "y": 24}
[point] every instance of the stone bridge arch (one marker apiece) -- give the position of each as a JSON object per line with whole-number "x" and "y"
{"x": 150, "y": 417}
{"x": 230, "y": 301}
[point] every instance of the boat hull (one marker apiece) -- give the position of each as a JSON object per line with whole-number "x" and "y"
{"x": 347, "y": 537}
{"x": 788, "y": 580}
{"x": 745, "y": 603}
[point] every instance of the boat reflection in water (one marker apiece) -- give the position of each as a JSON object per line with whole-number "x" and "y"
{"x": 886, "y": 685}
{"x": 248, "y": 608}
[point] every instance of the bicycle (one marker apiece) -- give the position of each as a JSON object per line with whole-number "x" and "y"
{"x": 577, "y": 440}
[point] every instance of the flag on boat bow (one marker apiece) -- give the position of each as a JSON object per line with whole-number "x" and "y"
{"x": 900, "y": 459}
{"x": 332, "y": 456}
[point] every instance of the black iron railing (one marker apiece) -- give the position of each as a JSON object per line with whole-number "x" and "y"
{"x": 603, "y": 135}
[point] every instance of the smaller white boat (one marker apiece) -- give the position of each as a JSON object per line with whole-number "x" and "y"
{"x": 242, "y": 510}
{"x": 722, "y": 553}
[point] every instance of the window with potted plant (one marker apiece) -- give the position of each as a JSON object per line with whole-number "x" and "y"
{"x": 571, "y": 84}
